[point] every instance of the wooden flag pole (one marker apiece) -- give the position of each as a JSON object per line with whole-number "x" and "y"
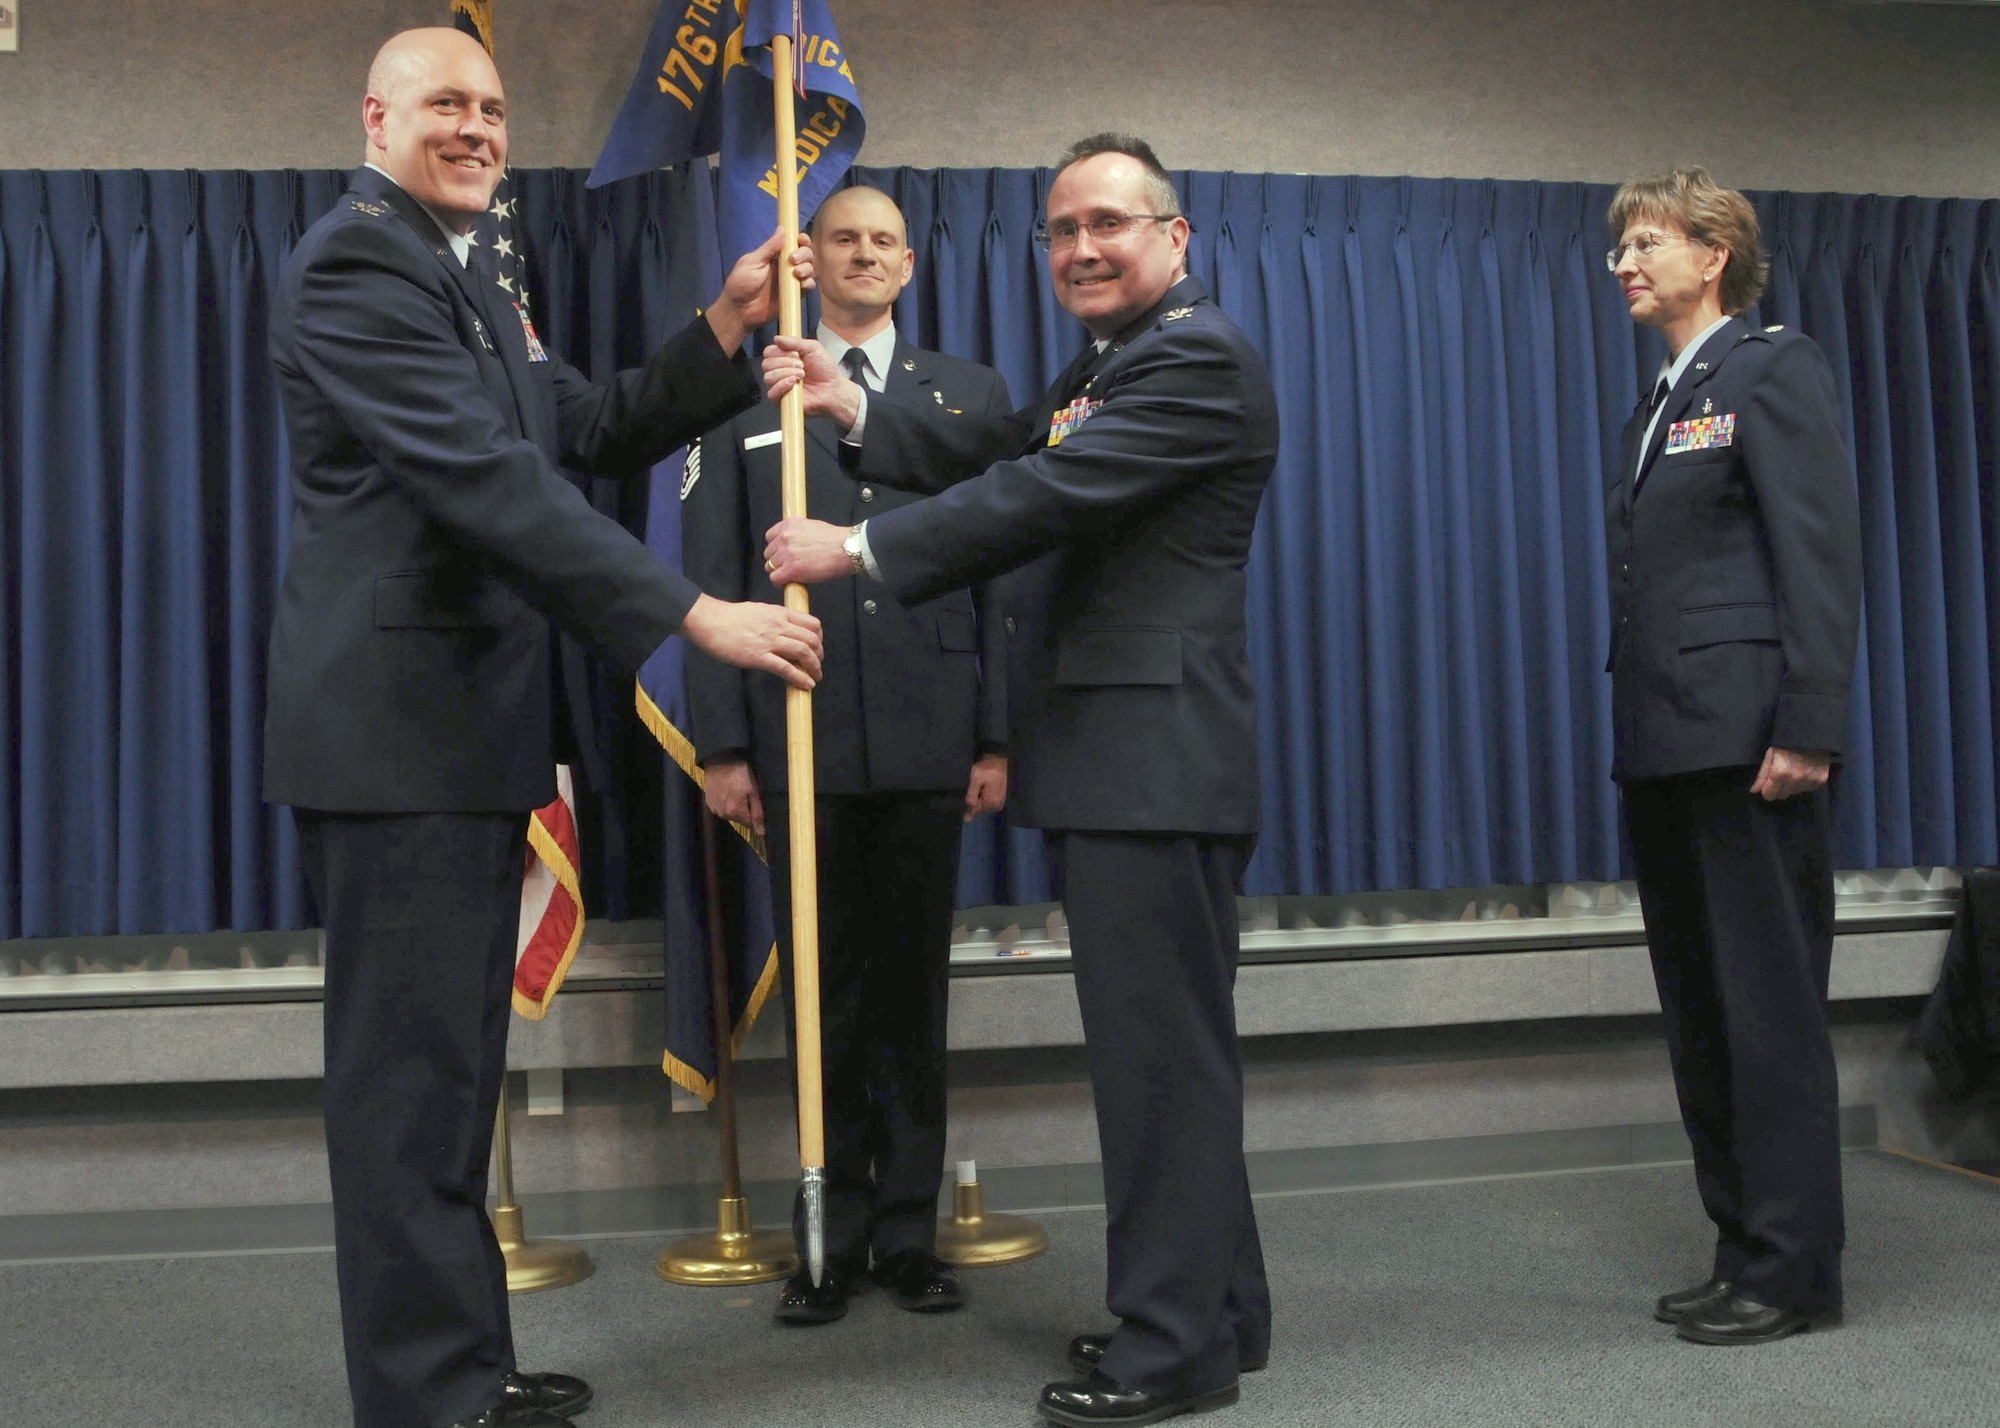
{"x": 798, "y": 702}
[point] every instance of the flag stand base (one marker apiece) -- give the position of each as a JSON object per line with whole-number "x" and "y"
{"x": 531, "y": 1264}
{"x": 734, "y": 1254}
{"x": 971, "y": 1236}
{"x": 536, "y": 1264}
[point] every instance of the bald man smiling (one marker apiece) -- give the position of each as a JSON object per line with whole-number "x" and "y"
{"x": 435, "y": 547}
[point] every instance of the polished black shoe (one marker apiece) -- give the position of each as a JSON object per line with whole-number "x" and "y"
{"x": 803, "y": 1302}
{"x": 504, "y": 1417}
{"x": 553, "y": 1393}
{"x": 1096, "y": 1399}
{"x": 1672, "y": 1308}
{"x": 919, "y": 1281}
{"x": 1736, "y": 1320}
{"x": 1086, "y": 1352}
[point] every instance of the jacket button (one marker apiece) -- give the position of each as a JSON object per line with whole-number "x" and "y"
{"x": 1010, "y": 624}
{"x": 867, "y": 607}
{"x": 1624, "y": 570}
{"x": 867, "y": 493}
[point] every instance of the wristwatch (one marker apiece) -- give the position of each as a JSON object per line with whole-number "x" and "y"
{"x": 851, "y": 547}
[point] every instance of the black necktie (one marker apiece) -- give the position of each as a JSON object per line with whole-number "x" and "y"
{"x": 1659, "y": 395}
{"x": 856, "y": 363}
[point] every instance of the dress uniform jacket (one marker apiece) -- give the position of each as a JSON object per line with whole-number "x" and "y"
{"x": 1129, "y": 690}
{"x": 433, "y": 538}
{"x": 1735, "y": 563}
{"x": 902, "y": 704}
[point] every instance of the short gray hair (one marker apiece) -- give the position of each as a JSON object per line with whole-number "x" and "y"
{"x": 1162, "y": 194}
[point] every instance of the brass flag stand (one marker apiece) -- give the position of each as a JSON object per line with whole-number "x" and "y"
{"x": 531, "y": 1264}
{"x": 735, "y": 1253}
{"x": 973, "y": 1237}
{"x": 798, "y": 702}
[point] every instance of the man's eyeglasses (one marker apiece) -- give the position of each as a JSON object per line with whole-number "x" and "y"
{"x": 1105, "y": 228}
{"x": 1642, "y": 247}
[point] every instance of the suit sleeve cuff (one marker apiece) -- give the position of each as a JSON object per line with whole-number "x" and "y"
{"x": 1810, "y": 719}
{"x": 868, "y": 556}
{"x": 852, "y": 436}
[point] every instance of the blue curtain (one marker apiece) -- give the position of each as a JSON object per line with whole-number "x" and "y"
{"x": 1428, "y": 616}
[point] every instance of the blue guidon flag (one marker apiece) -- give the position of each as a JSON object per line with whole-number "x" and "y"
{"x": 704, "y": 87}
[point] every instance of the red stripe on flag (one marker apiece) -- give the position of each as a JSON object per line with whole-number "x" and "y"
{"x": 551, "y": 903}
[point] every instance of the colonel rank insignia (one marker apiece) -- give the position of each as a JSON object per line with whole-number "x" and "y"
{"x": 373, "y": 210}
{"x": 1177, "y": 314}
{"x": 1070, "y": 418}
{"x": 1701, "y": 434}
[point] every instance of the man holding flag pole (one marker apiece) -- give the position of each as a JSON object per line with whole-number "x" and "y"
{"x": 1126, "y": 498}
{"x": 709, "y": 81}
{"x": 410, "y": 699}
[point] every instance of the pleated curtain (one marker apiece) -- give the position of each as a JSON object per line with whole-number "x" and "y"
{"x": 1427, "y": 606}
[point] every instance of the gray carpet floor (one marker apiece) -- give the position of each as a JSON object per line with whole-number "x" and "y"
{"x": 1516, "y": 1301}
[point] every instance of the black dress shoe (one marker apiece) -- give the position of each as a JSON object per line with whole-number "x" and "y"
{"x": 553, "y": 1393}
{"x": 1736, "y": 1320}
{"x": 919, "y": 1281}
{"x": 1672, "y": 1308}
{"x": 1083, "y": 1402}
{"x": 504, "y": 1417}
{"x": 803, "y": 1302}
{"x": 1086, "y": 1352}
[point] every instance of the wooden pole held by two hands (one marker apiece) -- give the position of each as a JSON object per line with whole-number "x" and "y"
{"x": 798, "y": 702}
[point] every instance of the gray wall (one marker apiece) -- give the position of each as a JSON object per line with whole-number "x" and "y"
{"x": 1799, "y": 94}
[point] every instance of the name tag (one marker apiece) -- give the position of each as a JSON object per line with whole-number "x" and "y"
{"x": 1070, "y": 418}
{"x": 769, "y": 438}
{"x": 535, "y": 352}
{"x": 1700, "y": 434}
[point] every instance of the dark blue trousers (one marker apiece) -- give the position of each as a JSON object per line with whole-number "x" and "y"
{"x": 888, "y": 866}
{"x": 1737, "y": 894}
{"x": 1153, "y": 942}
{"x": 422, "y": 914}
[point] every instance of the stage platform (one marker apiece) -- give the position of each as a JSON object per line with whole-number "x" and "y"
{"x": 1511, "y": 1300}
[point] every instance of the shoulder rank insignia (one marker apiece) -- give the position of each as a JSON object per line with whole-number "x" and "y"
{"x": 360, "y": 205}
{"x": 1776, "y": 327}
{"x": 1702, "y": 434}
{"x": 1177, "y": 314}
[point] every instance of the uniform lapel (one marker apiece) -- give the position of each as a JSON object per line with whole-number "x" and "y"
{"x": 469, "y": 279}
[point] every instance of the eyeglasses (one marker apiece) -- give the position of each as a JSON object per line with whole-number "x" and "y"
{"x": 1643, "y": 247}
{"x": 1105, "y": 228}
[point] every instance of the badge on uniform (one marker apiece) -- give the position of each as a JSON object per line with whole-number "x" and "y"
{"x": 1070, "y": 418}
{"x": 1702, "y": 434}
{"x": 535, "y": 349}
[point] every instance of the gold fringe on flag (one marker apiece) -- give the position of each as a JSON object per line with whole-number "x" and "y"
{"x": 480, "y": 14}
{"x": 681, "y": 750}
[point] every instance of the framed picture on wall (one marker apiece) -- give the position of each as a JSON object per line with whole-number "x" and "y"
{"x": 10, "y": 24}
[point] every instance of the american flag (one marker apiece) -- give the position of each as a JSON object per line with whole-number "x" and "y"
{"x": 551, "y": 893}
